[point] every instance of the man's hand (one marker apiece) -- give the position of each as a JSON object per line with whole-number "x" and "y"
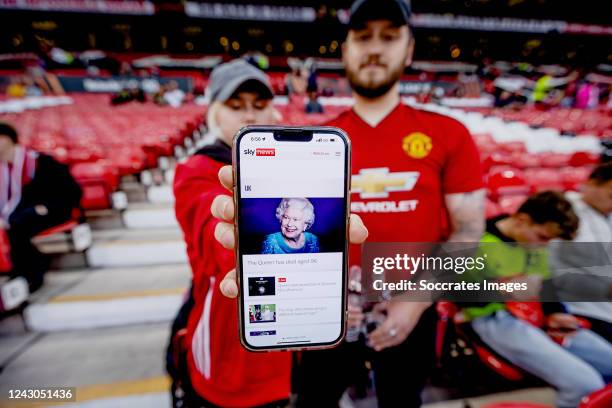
{"x": 223, "y": 209}
{"x": 401, "y": 319}
{"x": 560, "y": 326}
{"x": 355, "y": 315}
{"x": 41, "y": 210}
{"x": 563, "y": 321}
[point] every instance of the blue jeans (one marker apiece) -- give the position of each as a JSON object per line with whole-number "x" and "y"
{"x": 581, "y": 366}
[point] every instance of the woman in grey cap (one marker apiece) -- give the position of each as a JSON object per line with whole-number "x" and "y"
{"x": 216, "y": 370}
{"x": 239, "y": 95}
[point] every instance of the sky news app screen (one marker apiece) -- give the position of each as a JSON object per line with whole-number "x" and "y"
{"x": 292, "y": 239}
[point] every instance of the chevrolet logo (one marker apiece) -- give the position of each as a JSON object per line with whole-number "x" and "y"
{"x": 378, "y": 182}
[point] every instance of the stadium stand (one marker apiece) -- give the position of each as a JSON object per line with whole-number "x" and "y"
{"x": 102, "y": 143}
{"x": 118, "y": 152}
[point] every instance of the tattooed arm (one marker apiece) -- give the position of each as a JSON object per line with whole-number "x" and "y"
{"x": 467, "y": 215}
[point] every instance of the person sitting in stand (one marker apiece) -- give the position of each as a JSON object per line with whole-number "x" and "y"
{"x": 36, "y": 193}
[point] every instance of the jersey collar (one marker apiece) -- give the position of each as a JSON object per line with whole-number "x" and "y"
{"x": 391, "y": 113}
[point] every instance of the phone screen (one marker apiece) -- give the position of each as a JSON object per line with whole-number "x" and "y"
{"x": 292, "y": 237}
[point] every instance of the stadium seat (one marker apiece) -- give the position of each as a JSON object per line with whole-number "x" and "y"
{"x": 598, "y": 399}
{"x": 507, "y": 183}
{"x": 79, "y": 234}
{"x": 101, "y": 142}
{"x": 573, "y": 177}
{"x": 543, "y": 179}
{"x": 58, "y": 229}
{"x": 492, "y": 209}
{"x": 580, "y": 159}
{"x": 509, "y": 204}
{"x": 554, "y": 160}
{"x": 449, "y": 314}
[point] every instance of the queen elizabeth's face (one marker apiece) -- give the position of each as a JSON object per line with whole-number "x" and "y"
{"x": 292, "y": 223}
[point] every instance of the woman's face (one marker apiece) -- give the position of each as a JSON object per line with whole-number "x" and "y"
{"x": 292, "y": 223}
{"x": 246, "y": 108}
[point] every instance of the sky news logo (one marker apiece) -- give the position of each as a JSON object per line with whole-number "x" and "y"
{"x": 260, "y": 152}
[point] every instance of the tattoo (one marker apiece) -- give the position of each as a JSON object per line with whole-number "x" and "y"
{"x": 467, "y": 215}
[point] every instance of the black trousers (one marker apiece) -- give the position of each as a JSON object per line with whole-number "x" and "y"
{"x": 27, "y": 260}
{"x": 400, "y": 373}
{"x": 603, "y": 328}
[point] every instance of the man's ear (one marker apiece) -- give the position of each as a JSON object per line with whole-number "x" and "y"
{"x": 410, "y": 52}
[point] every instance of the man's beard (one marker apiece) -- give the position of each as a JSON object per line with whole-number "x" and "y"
{"x": 371, "y": 91}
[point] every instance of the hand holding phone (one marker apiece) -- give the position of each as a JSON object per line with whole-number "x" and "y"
{"x": 223, "y": 209}
{"x": 290, "y": 275}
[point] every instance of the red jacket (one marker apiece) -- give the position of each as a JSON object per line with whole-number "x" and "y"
{"x": 221, "y": 370}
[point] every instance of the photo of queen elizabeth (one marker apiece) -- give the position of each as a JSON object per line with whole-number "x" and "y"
{"x": 296, "y": 216}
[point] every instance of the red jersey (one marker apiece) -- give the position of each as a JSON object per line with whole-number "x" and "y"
{"x": 403, "y": 167}
{"x": 221, "y": 370}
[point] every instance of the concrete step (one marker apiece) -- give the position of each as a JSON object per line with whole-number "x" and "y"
{"x": 69, "y": 261}
{"x": 91, "y": 299}
{"x": 134, "y": 190}
{"x": 133, "y": 396}
{"x": 104, "y": 219}
{"x": 122, "y": 234}
{"x": 169, "y": 176}
{"x": 84, "y": 315}
{"x": 77, "y": 239}
{"x": 137, "y": 247}
{"x": 147, "y": 215}
{"x": 102, "y": 363}
{"x": 160, "y": 194}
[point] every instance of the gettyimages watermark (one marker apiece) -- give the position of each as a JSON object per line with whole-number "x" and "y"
{"x": 487, "y": 272}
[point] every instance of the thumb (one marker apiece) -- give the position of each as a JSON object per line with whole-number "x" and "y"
{"x": 229, "y": 286}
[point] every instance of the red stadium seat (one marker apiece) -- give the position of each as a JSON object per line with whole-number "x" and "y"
{"x": 513, "y": 147}
{"x": 573, "y": 177}
{"x": 65, "y": 227}
{"x": 580, "y": 159}
{"x": 598, "y": 399}
{"x": 509, "y": 204}
{"x": 596, "y": 122}
{"x": 554, "y": 160}
{"x": 97, "y": 183}
{"x": 526, "y": 160}
{"x": 497, "y": 159}
{"x": 483, "y": 139}
{"x": 103, "y": 142}
{"x": 449, "y": 315}
{"x": 95, "y": 197}
{"x": 507, "y": 183}
{"x": 544, "y": 179}
{"x": 492, "y": 209}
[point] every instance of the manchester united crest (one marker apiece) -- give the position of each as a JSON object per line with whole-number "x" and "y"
{"x": 417, "y": 145}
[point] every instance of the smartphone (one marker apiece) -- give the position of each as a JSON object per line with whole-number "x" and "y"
{"x": 292, "y": 208}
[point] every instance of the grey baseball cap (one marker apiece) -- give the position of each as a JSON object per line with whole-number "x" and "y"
{"x": 362, "y": 11}
{"x": 226, "y": 78}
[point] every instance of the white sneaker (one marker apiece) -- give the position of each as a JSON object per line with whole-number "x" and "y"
{"x": 13, "y": 293}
